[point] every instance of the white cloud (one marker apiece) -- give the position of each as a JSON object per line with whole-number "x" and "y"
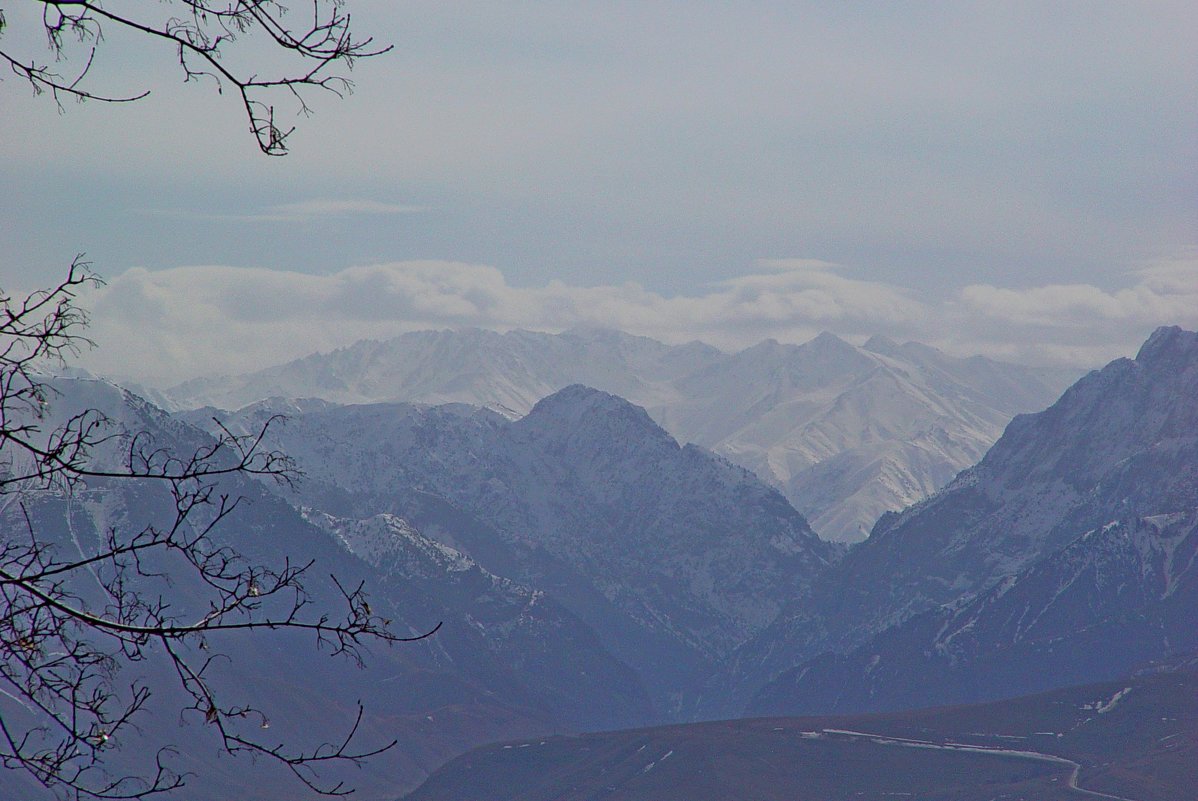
{"x": 169, "y": 325}
{"x": 1076, "y": 323}
{"x": 1164, "y": 291}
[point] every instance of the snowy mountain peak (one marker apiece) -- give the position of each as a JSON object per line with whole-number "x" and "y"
{"x": 828, "y": 341}
{"x": 1057, "y": 502}
{"x": 881, "y": 344}
{"x": 1121, "y": 441}
{"x": 600, "y": 333}
{"x": 579, "y": 406}
{"x": 829, "y": 352}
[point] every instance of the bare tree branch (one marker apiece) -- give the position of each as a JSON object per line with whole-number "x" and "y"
{"x": 200, "y": 32}
{"x": 62, "y": 649}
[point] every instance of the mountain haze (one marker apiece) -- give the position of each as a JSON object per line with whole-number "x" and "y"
{"x": 590, "y": 572}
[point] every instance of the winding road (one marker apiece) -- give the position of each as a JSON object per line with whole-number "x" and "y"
{"x": 882, "y": 739}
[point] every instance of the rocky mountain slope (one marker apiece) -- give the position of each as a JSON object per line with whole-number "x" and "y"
{"x": 845, "y": 432}
{"x": 580, "y": 546}
{"x": 851, "y": 432}
{"x": 672, "y": 554}
{"x": 1080, "y": 516}
{"x": 1118, "y": 596}
{"x": 491, "y": 619}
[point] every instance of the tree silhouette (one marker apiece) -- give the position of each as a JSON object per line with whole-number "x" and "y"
{"x": 214, "y": 40}
{"x": 63, "y": 645}
{"x": 74, "y": 618}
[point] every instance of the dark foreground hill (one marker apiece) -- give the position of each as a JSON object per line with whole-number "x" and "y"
{"x": 1132, "y": 739}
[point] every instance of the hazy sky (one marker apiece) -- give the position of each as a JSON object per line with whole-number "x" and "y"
{"x": 1019, "y": 179}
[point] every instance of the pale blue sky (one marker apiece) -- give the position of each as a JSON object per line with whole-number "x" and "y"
{"x": 927, "y": 149}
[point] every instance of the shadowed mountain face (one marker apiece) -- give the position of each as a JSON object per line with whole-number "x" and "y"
{"x": 673, "y": 555}
{"x": 1075, "y": 530}
{"x": 845, "y": 432}
{"x": 1135, "y": 739}
{"x": 1118, "y": 596}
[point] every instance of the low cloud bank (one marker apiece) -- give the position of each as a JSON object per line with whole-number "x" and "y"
{"x": 165, "y": 326}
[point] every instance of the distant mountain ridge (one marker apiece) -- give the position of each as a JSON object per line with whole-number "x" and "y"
{"x": 846, "y": 432}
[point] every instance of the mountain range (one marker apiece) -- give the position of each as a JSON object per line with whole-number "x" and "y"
{"x": 506, "y": 660}
{"x": 845, "y": 432}
{"x": 591, "y": 572}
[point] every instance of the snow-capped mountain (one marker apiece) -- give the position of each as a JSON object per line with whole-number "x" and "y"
{"x": 1085, "y": 485}
{"x": 851, "y": 432}
{"x": 507, "y": 372}
{"x": 845, "y": 432}
{"x": 581, "y": 545}
{"x": 674, "y": 555}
